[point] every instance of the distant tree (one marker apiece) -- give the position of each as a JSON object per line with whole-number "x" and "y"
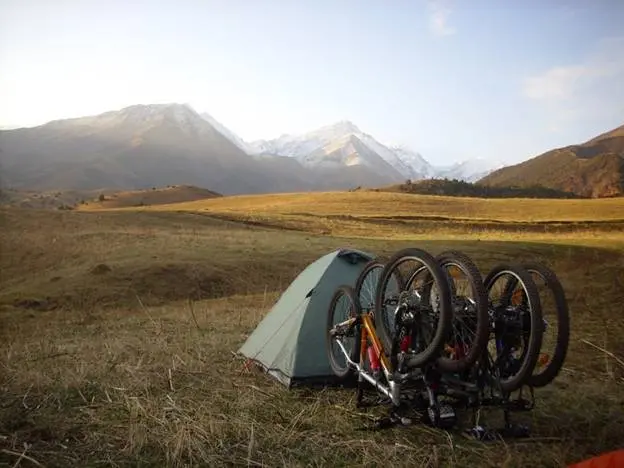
{"x": 102, "y": 197}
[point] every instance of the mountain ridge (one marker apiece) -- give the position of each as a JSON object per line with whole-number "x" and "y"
{"x": 410, "y": 164}
{"x": 142, "y": 146}
{"x": 593, "y": 169}
{"x": 147, "y": 145}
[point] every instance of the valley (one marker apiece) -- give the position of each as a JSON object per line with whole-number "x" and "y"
{"x": 141, "y": 247}
{"x": 120, "y": 347}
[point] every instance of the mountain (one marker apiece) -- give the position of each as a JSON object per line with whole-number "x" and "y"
{"x": 136, "y": 147}
{"x": 591, "y": 169}
{"x": 419, "y": 165}
{"x": 145, "y": 146}
{"x": 226, "y": 132}
{"x": 321, "y": 147}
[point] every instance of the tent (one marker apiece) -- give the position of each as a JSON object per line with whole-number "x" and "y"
{"x": 613, "y": 459}
{"x": 289, "y": 343}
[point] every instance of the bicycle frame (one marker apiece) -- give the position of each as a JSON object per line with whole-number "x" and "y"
{"x": 392, "y": 390}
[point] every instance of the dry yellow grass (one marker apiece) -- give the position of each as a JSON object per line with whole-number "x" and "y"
{"x": 398, "y": 205}
{"x": 118, "y": 327}
{"x": 155, "y": 196}
{"x": 400, "y": 216}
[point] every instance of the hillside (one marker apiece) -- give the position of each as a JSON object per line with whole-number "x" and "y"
{"x": 71, "y": 199}
{"x": 592, "y": 169}
{"x": 56, "y": 199}
{"x": 154, "y": 196}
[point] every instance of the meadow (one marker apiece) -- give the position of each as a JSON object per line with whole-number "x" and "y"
{"x": 119, "y": 328}
{"x": 400, "y": 216}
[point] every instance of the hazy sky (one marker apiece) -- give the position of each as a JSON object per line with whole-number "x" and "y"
{"x": 504, "y": 80}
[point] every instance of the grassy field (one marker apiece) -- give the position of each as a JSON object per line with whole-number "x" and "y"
{"x": 401, "y": 216}
{"x": 118, "y": 328}
{"x": 399, "y": 205}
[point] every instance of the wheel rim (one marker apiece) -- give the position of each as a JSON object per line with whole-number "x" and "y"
{"x": 465, "y": 312}
{"x": 426, "y": 306}
{"x": 510, "y": 313}
{"x": 368, "y": 290}
{"x": 343, "y": 310}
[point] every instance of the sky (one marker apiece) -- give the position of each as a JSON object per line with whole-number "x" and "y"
{"x": 453, "y": 80}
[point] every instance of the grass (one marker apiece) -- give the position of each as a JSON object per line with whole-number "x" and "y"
{"x": 119, "y": 327}
{"x": 397, "y": 216}
{"x": 403, "y": 206}
{"x": 155, "y": 196}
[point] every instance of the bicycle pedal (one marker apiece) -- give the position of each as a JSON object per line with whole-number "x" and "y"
{"x": 443, "y": 416}
{"x": 447, "y": 412}
{"x": 448, "y": 416}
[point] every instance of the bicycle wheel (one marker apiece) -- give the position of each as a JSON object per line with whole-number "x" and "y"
{"x": 556, "y": 325}
{"x": 470, "y": 325}
{"x": 366, "y": 285}
{"x": 410, "y": 313}
{"x": 517, "y": 324}
{"x": 343, "y": 306}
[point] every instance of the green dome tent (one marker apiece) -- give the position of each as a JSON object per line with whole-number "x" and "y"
{"x": 289, "y": 343}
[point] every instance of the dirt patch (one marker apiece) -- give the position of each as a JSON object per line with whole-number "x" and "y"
{"x": 177, "y": 281}
{"x": 37, "y": 304}
{"x": 100, "y": 269}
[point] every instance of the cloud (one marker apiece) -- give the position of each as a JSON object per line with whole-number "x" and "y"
{"x": 557, "y": 83}
{"x": 439, "y": 13}
{"x": 593, "y": 87}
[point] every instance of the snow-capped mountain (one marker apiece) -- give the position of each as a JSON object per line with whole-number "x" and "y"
{"x": 312, "y": 148}
{"x": 470, "y": 170}
{"x": 415, "y": 161}
{"x": 181, "y": 116}
{"x": 348, "y": 151}
{"x": 147, "y": 145}
{"x": 344, "y": 144}
{"x": 299, "y": 146}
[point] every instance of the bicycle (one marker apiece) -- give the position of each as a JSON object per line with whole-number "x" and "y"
{"x": 386, "y": 314}
{"x": 389, "y": 362}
